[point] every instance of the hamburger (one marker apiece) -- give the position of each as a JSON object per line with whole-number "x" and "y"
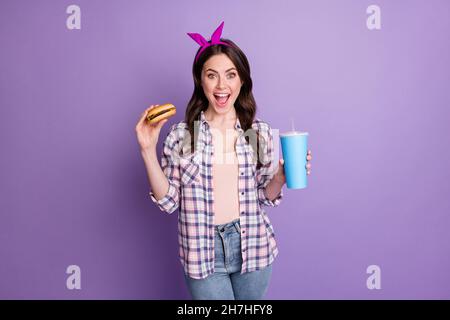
{"x": 161, "y": 112}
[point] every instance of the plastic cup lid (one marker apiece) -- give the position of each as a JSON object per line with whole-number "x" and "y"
{"x": 294, "y": 133}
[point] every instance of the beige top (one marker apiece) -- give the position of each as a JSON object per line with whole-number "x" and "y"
{"x": 225, "y": 171}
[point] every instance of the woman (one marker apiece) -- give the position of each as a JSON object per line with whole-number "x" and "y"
{"x": 217, "y": 167}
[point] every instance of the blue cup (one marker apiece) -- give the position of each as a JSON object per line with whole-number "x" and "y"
{"x": 294, "y": 146}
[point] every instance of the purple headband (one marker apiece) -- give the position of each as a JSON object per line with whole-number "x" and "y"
{"x": 215, "y": 39}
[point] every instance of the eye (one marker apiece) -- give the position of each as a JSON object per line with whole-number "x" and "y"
{"x": 232, "y": 75}
{"x": 210, "y": 76}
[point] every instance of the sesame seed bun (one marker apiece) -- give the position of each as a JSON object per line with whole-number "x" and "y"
{"x": 161, "y": 112}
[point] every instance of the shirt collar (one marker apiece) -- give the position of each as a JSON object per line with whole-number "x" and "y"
{"x": 205, "y": 124}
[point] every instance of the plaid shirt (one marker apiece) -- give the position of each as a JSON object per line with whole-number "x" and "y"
{"x": 190, "y": 189}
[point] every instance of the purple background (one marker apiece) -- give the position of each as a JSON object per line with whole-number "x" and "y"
{"x": 376, "y": 103}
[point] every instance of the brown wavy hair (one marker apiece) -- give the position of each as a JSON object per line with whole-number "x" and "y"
{"x": 245, "y": 104}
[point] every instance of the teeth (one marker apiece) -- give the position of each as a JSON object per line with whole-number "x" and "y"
{"x": 223, "y": 95}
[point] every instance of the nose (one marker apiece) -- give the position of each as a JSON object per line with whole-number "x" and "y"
{"x": 220, "y": 83}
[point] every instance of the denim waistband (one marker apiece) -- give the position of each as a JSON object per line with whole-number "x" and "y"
{"x": 229, "y": 225}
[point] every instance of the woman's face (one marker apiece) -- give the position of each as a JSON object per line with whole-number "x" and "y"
{"x": 221, "y": 83}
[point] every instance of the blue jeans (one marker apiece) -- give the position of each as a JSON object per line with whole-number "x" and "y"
{"x": 227, "y": 282}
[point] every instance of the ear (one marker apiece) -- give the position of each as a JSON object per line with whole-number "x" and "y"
{"x": 198, "y": 38}
{"x": 215, "y": 38}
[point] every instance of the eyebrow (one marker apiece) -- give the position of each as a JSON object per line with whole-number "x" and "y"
{"x": 209, "y": 69}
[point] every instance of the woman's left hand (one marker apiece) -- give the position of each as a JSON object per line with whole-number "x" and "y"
{"x": 280, "y": 176}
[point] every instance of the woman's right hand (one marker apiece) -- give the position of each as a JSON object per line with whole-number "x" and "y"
{"x": 148, "y": 134}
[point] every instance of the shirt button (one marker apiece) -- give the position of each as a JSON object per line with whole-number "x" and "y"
{"x": 242, "y": 193}
{"x": 243, "y": 250}
{"x": 242, "y": 173}
{"x": 243, "y": 231}
{"x": 243, "y": 212}
{"x": 222, "y": 230}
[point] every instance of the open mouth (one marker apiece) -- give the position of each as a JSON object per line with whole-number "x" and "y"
{"x": 221, "y": 98}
